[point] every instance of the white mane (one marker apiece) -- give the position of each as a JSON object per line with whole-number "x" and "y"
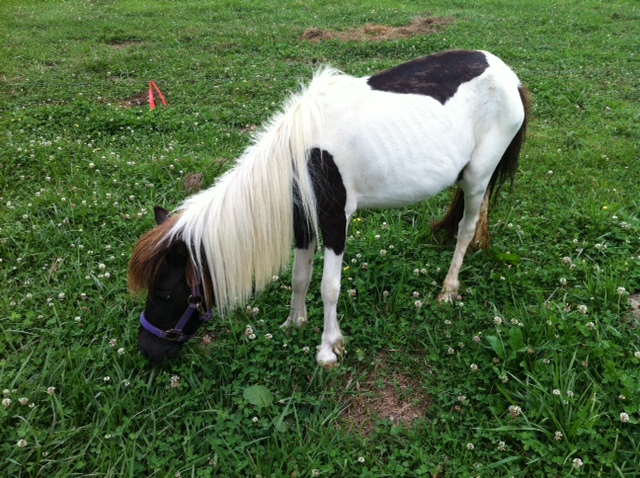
{"x": 241, "y": 227}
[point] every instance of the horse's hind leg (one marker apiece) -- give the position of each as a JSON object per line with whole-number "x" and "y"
{"x": 481, "y": 237}
{"x": 473, "y": 205}
{"x": 302, "y": 268}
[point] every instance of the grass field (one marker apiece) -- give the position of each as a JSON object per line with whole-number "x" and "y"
{"x": 534, "y": 372}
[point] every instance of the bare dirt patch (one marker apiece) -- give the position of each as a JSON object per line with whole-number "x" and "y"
{"x": 376, "y": 32}
{"x": 193, "y": 182}
{"x": 123, "y": 45}
{"x": 384, "y": 394}
{"x": 139, "y": 99}
{"x": 634, "y": 312}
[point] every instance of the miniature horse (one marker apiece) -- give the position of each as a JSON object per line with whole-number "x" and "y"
{"x": 342, "y": 144}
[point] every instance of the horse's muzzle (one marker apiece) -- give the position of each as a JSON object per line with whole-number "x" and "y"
{"x": 156, "y": 349}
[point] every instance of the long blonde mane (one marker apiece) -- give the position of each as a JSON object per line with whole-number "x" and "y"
{"x": 240, "y": 229}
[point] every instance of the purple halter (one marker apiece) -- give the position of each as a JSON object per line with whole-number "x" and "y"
{"x": 194, "y": 309}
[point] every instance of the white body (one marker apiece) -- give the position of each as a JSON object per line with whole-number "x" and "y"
{"x": 392, "y": 149}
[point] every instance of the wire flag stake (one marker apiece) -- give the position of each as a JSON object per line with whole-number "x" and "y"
{"x": 152, "y": 101}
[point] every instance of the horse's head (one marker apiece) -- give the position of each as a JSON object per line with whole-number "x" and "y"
{"x": 175, "y": 305}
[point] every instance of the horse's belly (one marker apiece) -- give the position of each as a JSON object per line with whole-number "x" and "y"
{"x": 393, "y": 150}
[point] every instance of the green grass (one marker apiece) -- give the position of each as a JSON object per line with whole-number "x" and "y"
{"x": 79, "y": 175}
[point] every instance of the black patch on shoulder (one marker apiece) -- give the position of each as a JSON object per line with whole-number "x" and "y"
{"x": 438, "y": 75}
{"x": 331, "y": 199}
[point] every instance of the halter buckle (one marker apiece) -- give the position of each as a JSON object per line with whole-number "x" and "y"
{"x": 173, "y": 335}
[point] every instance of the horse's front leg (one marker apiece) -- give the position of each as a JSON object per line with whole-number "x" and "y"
{"x": 332, "y": 340}
{"x": 302, "y": 268}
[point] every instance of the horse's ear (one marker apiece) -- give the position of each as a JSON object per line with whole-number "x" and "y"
{"x": 161, "y": 214}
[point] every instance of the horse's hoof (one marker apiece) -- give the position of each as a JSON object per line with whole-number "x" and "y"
{"x": 298, "y": 323}
{"x": 328, "y": 358}
{"x": 445, "y": 297}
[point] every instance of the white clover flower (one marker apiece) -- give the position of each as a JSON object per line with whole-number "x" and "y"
{"x": 121, "y": 351}
{"x": 556, "y": 392}
{"x": 515, "y": 411}
{"x": 418, "y": 304}
{"x": 23, "y": 401}
{"x": 255, "y": 419}
{"x": 175, "y": 381}
{"x": 383, "y": 252}
{"x": 577, "y": 463}
{"x": 473, "y": 367}
{"x": 470, "y": 446}
{"x": 502, "y": 446}
{"x": 51, "y": 390}
{"x": 113, "y": 343}
{"x": 582, "y": 309}
{"x": 557, "y": 436}
{"x": 361, "y": 459}
{"x": 497, "y": 320}
{"x": 415, "y": 294}
{"x": 268, "y": 336}
{"x": 450, "y": 351}
{"x": 621, "y": 291}
{"x": 563, "y": 281}
{"x": 637, "y": 354}
{"x": 6, "y": 403}
{"x": 22, "y": 443}
{"x": 624, "y": 417}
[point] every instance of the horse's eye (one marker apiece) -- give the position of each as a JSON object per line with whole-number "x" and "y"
{"x": 164, "y": 297}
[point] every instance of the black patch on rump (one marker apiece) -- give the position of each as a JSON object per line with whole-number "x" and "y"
{"x": 331, "y": 198}
{"x": 438, "y": 75}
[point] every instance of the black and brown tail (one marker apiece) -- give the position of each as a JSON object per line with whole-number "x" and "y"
{"x": 505, "y": 171}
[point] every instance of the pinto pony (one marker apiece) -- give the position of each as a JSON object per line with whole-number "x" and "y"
{"x": 341, "y": 144}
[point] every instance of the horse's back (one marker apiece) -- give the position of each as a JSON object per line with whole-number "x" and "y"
{"x": 405, "y": 134}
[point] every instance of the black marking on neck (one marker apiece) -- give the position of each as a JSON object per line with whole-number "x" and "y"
{"x": 331, "y": 199}
{"x": 438, "y": 75}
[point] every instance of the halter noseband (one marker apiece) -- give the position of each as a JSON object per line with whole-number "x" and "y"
{"x": 194, "y": 309}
